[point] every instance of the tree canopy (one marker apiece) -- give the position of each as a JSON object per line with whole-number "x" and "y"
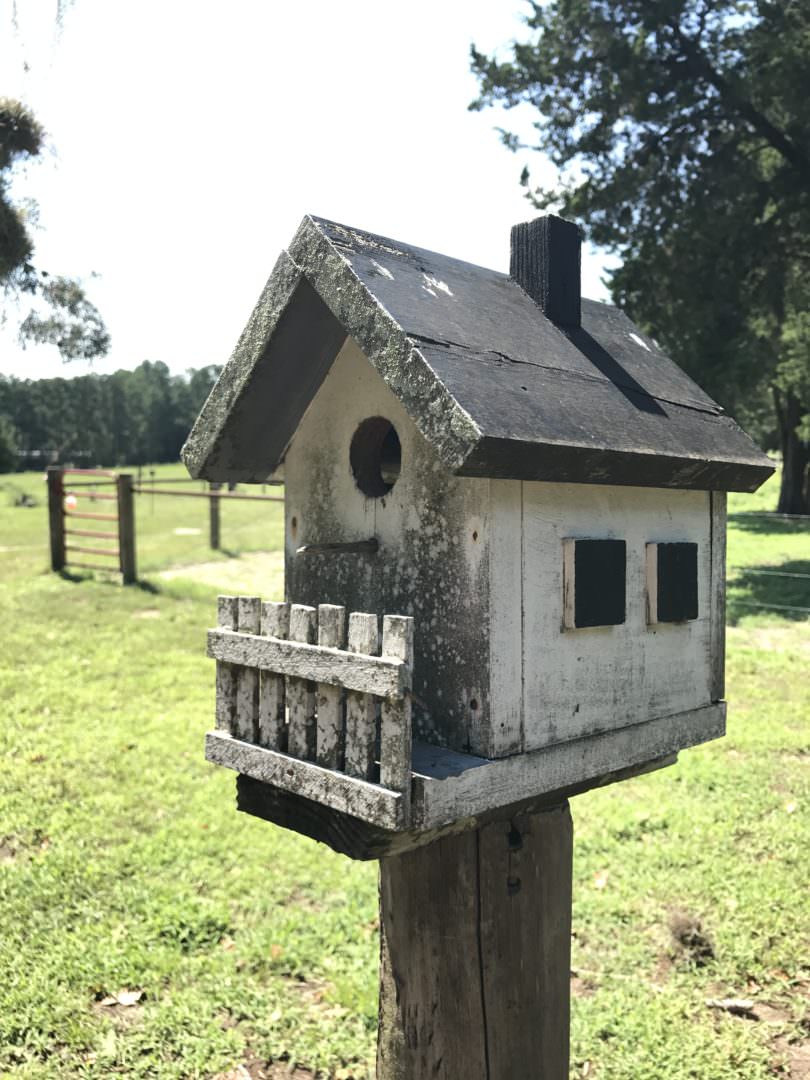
{"x": 129, "y": 417}
{"x": 60, "y": 312}
{"x": 681, "y": 135}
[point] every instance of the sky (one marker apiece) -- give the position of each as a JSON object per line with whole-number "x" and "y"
{"x": 186, "y": 140}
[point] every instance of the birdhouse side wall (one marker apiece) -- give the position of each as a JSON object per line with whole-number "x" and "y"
{"x": 433, "y": 560}
{"x": 579, "y": 682}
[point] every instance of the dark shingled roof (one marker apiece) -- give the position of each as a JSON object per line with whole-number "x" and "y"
{"x": 496, "y": 387}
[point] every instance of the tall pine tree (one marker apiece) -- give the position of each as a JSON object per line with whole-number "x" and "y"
{"x": 681, "y": 132}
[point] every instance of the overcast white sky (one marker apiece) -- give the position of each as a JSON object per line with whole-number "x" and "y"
{"x": 187, "y": 140}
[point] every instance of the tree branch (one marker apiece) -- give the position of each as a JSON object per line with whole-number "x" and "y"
{"x": 781, "y": 142}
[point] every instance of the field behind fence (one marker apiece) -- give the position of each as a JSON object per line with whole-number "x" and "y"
{"x": 148, "y": 930}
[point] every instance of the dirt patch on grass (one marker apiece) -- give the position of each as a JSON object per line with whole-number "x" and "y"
{"x": 255, "y": 1070}
{"x": 122, "y": 1016}
{"x": 261, "y": 573}
{"x": 8, "y": 850}
{"x": 689, "y": 939}
{"x": 794, "y": 1059}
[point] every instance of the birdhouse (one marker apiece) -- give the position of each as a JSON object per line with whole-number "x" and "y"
{"x": 505, "y": 514}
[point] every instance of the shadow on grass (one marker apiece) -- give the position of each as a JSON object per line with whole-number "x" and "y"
{"x": 769, "y": 523}
{"x": 146, "y": 586}
{"x": 782, "y": 589}
{"x": 78, "y": 577}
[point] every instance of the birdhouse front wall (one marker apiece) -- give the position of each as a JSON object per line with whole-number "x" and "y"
{"x": 434, "y": 533}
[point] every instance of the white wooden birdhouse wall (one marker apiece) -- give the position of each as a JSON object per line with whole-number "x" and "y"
{"x": 433, "y": 532}
{"x": 522, "y": 473}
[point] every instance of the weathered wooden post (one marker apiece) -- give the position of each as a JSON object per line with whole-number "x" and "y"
{"x": 475, "y": 953}
{"x": 213, "y": 516}
{"x": 56, "y": 515}
{"x": 505, "y": 519}
{"x": 126, "y": 528}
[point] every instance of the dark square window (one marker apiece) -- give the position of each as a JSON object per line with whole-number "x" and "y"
{"x": 677, "y": 578}
{"x": 599, "y": 583}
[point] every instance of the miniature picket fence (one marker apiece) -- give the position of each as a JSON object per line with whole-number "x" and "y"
{"x": 304, "y": 706}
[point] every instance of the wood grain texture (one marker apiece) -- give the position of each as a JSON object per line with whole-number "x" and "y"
{"x": 365, "y": 674}
{"x": 126, "y": 529}
{"x": 330, "y": 734}
{"x": 450, "y": 790}
{"x": 428, "y": 566}
{"x": 353, "y": 796}
{"x": 249, "y": 610}
{"x": 361, "y": 709}
{"x": 214, "y": 517}
{"x": 525, "y": 912}
{"x": 448, "y": 786}
{"x": 227, "y": 619}
{"x": 275, "y": 622}
{"x": 364, "y": 840}
{"x": 475, "y": 954}
{"x": 503, "y": 721}
{"x": 56, "y": 516}
{"x": 651, "y": 582}
{"x": 718, "y": 594}
{"x": 585, "y": 681}
{"x": 545, "y": 262}
{"x": 301, "y": 727}
{"x": 395, "y": 716}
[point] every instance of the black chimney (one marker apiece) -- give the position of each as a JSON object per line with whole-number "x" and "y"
{"x": 545, "y": 262}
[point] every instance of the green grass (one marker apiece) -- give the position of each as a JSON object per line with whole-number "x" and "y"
{"x": 124, "y": 866}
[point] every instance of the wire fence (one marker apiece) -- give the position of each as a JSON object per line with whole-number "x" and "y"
{"x": 745, "y": 571}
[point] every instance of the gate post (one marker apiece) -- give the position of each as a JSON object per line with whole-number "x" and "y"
{"x": 126, "y": 528}
{"x": 56, "y": 515}
{"x": 475, "y": 954}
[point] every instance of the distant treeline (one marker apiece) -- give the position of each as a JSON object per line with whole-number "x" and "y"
{"x": 129, "y": 417}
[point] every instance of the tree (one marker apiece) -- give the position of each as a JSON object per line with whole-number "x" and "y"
{"x": 8, "y": 446}
{"x": 681, "y": 130}
{"x": 64, "y": 317}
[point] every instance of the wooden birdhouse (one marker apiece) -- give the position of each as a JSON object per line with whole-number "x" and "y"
{"x": 505, "y": 539}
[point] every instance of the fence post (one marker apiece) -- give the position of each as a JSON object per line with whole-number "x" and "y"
{"x": 213, "y": 516}
{"x": 126, "y": 528}
{"x": 56, "y": 515}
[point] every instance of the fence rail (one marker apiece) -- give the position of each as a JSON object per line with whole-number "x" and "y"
{"x": 124, "y": 517}
{"x": 212, "y": 493}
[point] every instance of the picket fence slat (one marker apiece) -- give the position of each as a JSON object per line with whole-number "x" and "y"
{"x": 300, "y": 690}
{"x": 361, "y": 709}
{"x": 338, "y": 704}
{"x": 272, "y": 734}
{"x": 329, "y": 741}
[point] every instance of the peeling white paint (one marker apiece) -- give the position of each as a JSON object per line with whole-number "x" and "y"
{"x": 640, "y": 341}
{"x": 383, "y": 270}
{"x": 432, "y": 283}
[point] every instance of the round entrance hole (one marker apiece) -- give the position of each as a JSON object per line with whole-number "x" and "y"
{"x": 375, "y": 456}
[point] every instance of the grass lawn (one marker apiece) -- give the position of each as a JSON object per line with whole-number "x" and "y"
{"x": 147, "y": 930}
